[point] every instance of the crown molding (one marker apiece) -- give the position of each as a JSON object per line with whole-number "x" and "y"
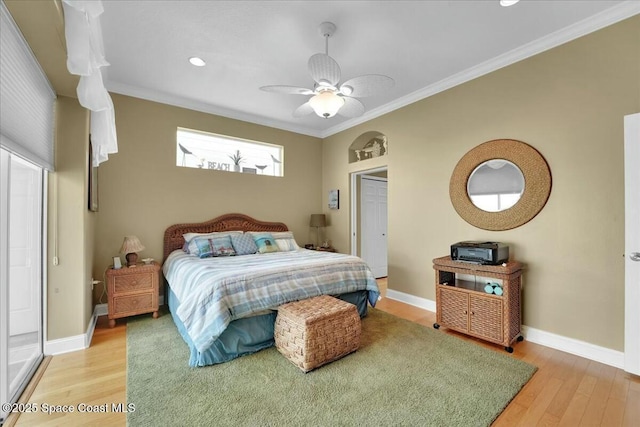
{"x": 596, "y": 22}
{"x": 203, "y": 107}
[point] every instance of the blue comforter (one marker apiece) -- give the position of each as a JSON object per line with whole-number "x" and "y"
{"x": 214, "y": 291}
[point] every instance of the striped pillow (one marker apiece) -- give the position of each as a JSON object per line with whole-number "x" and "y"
{"x": 287, "y": 245}
{"x": 285, "y": 241}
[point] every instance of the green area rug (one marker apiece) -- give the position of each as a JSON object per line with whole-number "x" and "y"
{"x": 403, "y": 374}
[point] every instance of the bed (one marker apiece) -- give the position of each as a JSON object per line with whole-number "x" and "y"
{"x": 225, "y": 306}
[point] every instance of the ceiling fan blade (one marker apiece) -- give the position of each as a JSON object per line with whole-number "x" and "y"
{"x": 288, "y": 90}
{"x": 324, "y": 69}
{"x": 303, "y": 110}
{"x": 366, "y": 85}
{"x": 351, "y": 108}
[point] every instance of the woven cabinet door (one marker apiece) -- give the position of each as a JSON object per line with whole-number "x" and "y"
{"x": 486, "y": 317}
{"x": 454, "y": 310}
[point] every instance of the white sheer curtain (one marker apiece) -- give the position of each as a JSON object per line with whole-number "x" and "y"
{"x": 85, "y": 57}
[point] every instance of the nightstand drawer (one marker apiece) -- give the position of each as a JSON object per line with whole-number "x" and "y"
{"x": 133, "y": 303}
{"x": 131, "y": 283}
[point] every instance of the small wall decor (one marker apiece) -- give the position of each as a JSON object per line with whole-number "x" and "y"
{"x": 334, "y": 199}
{"x": 369, "y": 145}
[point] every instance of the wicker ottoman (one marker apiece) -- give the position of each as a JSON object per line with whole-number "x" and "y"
{"x": 316, "y": 331}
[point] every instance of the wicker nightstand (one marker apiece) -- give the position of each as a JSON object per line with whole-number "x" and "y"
{"x": 133, "y": 290}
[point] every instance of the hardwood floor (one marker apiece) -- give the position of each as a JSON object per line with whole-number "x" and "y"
{"x": 566, "y": 390}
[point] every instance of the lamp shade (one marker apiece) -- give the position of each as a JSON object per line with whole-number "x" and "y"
{"x": 326, "y": 104}
{"x": 317, "y": 220}
{"x": 131, "y": 244}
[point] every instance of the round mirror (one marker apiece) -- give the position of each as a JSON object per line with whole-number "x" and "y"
{"x": 523, "y": 161}
{"x": 495, "y": 185}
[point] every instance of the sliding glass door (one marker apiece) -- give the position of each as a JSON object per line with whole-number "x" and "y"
{"x": 21, "y": 273}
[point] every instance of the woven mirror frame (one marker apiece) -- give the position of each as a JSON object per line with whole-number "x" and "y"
{"x": 537, "y": 179}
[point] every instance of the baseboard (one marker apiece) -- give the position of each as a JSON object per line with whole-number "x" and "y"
{"x": 80, "y": 342}
{"x": 573, "y": 346}
{"x": 558, "y": 342}
{"x": 73, "y": 343}
{"x": 423, "y": 303}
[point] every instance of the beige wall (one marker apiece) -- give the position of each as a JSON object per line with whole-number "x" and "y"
{"x": 70, "y": 226}
{"x": 569, "y": 104}
{"x": 142, "y": 191}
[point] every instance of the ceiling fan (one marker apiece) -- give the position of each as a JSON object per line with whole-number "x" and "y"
{"x": 330, "y": 97}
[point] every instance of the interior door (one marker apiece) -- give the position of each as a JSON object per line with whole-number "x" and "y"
{"x": 632, "y": 243}
{"x": 374, "y": 224}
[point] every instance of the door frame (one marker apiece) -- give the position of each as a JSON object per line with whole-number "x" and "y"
{"x": 28, "y": 370}
{"x": 632, "y": 211}
{"x": 355, "y": 225}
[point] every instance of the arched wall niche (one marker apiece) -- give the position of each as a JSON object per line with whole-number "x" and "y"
{"x": 367, "y": 146}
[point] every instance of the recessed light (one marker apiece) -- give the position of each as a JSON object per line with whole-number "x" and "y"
{"x": 198, "y": 62}
{"x": 507, "y": 3}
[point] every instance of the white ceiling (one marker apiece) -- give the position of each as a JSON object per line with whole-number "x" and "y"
{"x": 426, "y": 46}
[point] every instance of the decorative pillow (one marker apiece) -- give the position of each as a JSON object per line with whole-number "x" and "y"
{"x": 243, "y": 244}
{"x": 191, "y": 237}
{"x": 265, "y": 242}
{"x": 287, "y": 245}
{"x": 202, "y": 247}
{"x": 221, "y": 246}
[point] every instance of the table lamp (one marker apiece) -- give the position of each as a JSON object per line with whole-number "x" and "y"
{"x": 130, "y": 246}
{"x": 317, "y": 221}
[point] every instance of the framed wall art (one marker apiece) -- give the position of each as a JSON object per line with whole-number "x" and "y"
{"x": 334, "y": 199}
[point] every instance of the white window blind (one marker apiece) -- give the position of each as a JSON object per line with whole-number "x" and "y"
{"x": 26, "y": 98}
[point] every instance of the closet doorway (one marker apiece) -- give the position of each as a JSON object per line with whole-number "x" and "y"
{"x": 369, "y": 218}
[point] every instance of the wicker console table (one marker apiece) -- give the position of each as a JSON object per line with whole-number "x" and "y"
{"x": 464, "y": 306}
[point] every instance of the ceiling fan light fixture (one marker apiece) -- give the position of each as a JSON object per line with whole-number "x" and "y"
{"x": 326, "y": 104}
{"x": 507, "y": 3}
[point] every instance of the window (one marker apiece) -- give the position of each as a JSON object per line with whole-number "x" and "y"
{"x": 195, "y": 149}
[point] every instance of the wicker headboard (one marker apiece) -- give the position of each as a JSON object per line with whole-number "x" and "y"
{"x": 173, "y": 235}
